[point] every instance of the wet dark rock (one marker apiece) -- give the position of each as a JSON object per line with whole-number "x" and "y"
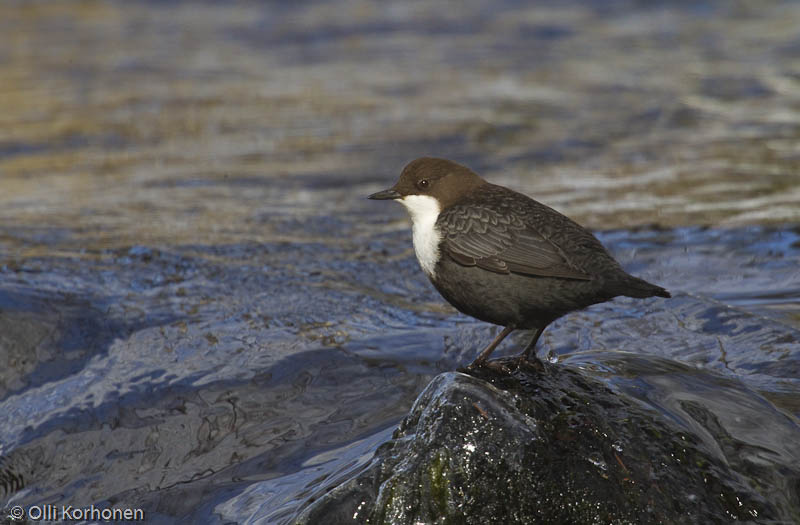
{"x": 539, "y": 445}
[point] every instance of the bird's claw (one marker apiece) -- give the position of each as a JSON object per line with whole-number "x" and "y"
{"x": 530, "y": 362}
{"x": 496, "y": 365}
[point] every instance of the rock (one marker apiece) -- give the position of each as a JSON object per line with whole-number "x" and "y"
{"x": 539, "y": 445}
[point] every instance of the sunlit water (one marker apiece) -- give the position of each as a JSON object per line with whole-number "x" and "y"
{"x": 201, "y": 315}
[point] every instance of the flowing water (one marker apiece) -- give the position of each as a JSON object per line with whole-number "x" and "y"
{"x": 203, "y": 317}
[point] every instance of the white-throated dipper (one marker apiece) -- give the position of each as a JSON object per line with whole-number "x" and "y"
{"x": 500, "y": 256}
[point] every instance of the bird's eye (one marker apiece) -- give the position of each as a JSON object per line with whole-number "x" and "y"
{"x": 423, "y": 183}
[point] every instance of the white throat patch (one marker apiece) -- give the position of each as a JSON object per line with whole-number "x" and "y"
{"x": 424, "y": 211}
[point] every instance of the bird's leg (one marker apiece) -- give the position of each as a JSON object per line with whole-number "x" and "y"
{"x": 530, "y": 351}
{"x": 484, "y": 355}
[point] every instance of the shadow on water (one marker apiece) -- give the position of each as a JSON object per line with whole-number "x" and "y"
{"x": 256, "y": 427}
{"x": 48, "y": 337}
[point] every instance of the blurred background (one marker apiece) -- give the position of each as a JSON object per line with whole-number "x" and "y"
{"x": 202, "y": 316}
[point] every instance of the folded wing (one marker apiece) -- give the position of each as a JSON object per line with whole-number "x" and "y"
{"x": 502, "y": 243}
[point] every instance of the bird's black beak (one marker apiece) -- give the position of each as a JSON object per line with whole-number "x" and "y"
{"x": 385, "y": 195}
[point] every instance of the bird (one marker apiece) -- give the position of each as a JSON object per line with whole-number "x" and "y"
{"x": 502, "y": 257}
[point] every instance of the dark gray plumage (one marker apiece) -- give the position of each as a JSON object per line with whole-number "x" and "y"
{"x": 503, "y": 257}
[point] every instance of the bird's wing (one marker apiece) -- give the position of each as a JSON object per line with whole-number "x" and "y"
{"x": 475, "y": 235}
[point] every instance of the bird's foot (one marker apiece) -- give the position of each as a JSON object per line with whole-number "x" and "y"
{"x": 495, "y": 364}
{"x": 530, "y": 362}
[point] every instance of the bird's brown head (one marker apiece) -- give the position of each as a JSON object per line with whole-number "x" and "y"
{"x": 442, "y": 179}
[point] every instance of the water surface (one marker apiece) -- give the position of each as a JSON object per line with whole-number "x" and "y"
{"x": 202, "y": 316}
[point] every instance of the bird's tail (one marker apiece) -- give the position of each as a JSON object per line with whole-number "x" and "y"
{"x": 639, "y": 288}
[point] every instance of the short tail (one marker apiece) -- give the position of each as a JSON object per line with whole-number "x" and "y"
{"x": 639, "y": 288}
